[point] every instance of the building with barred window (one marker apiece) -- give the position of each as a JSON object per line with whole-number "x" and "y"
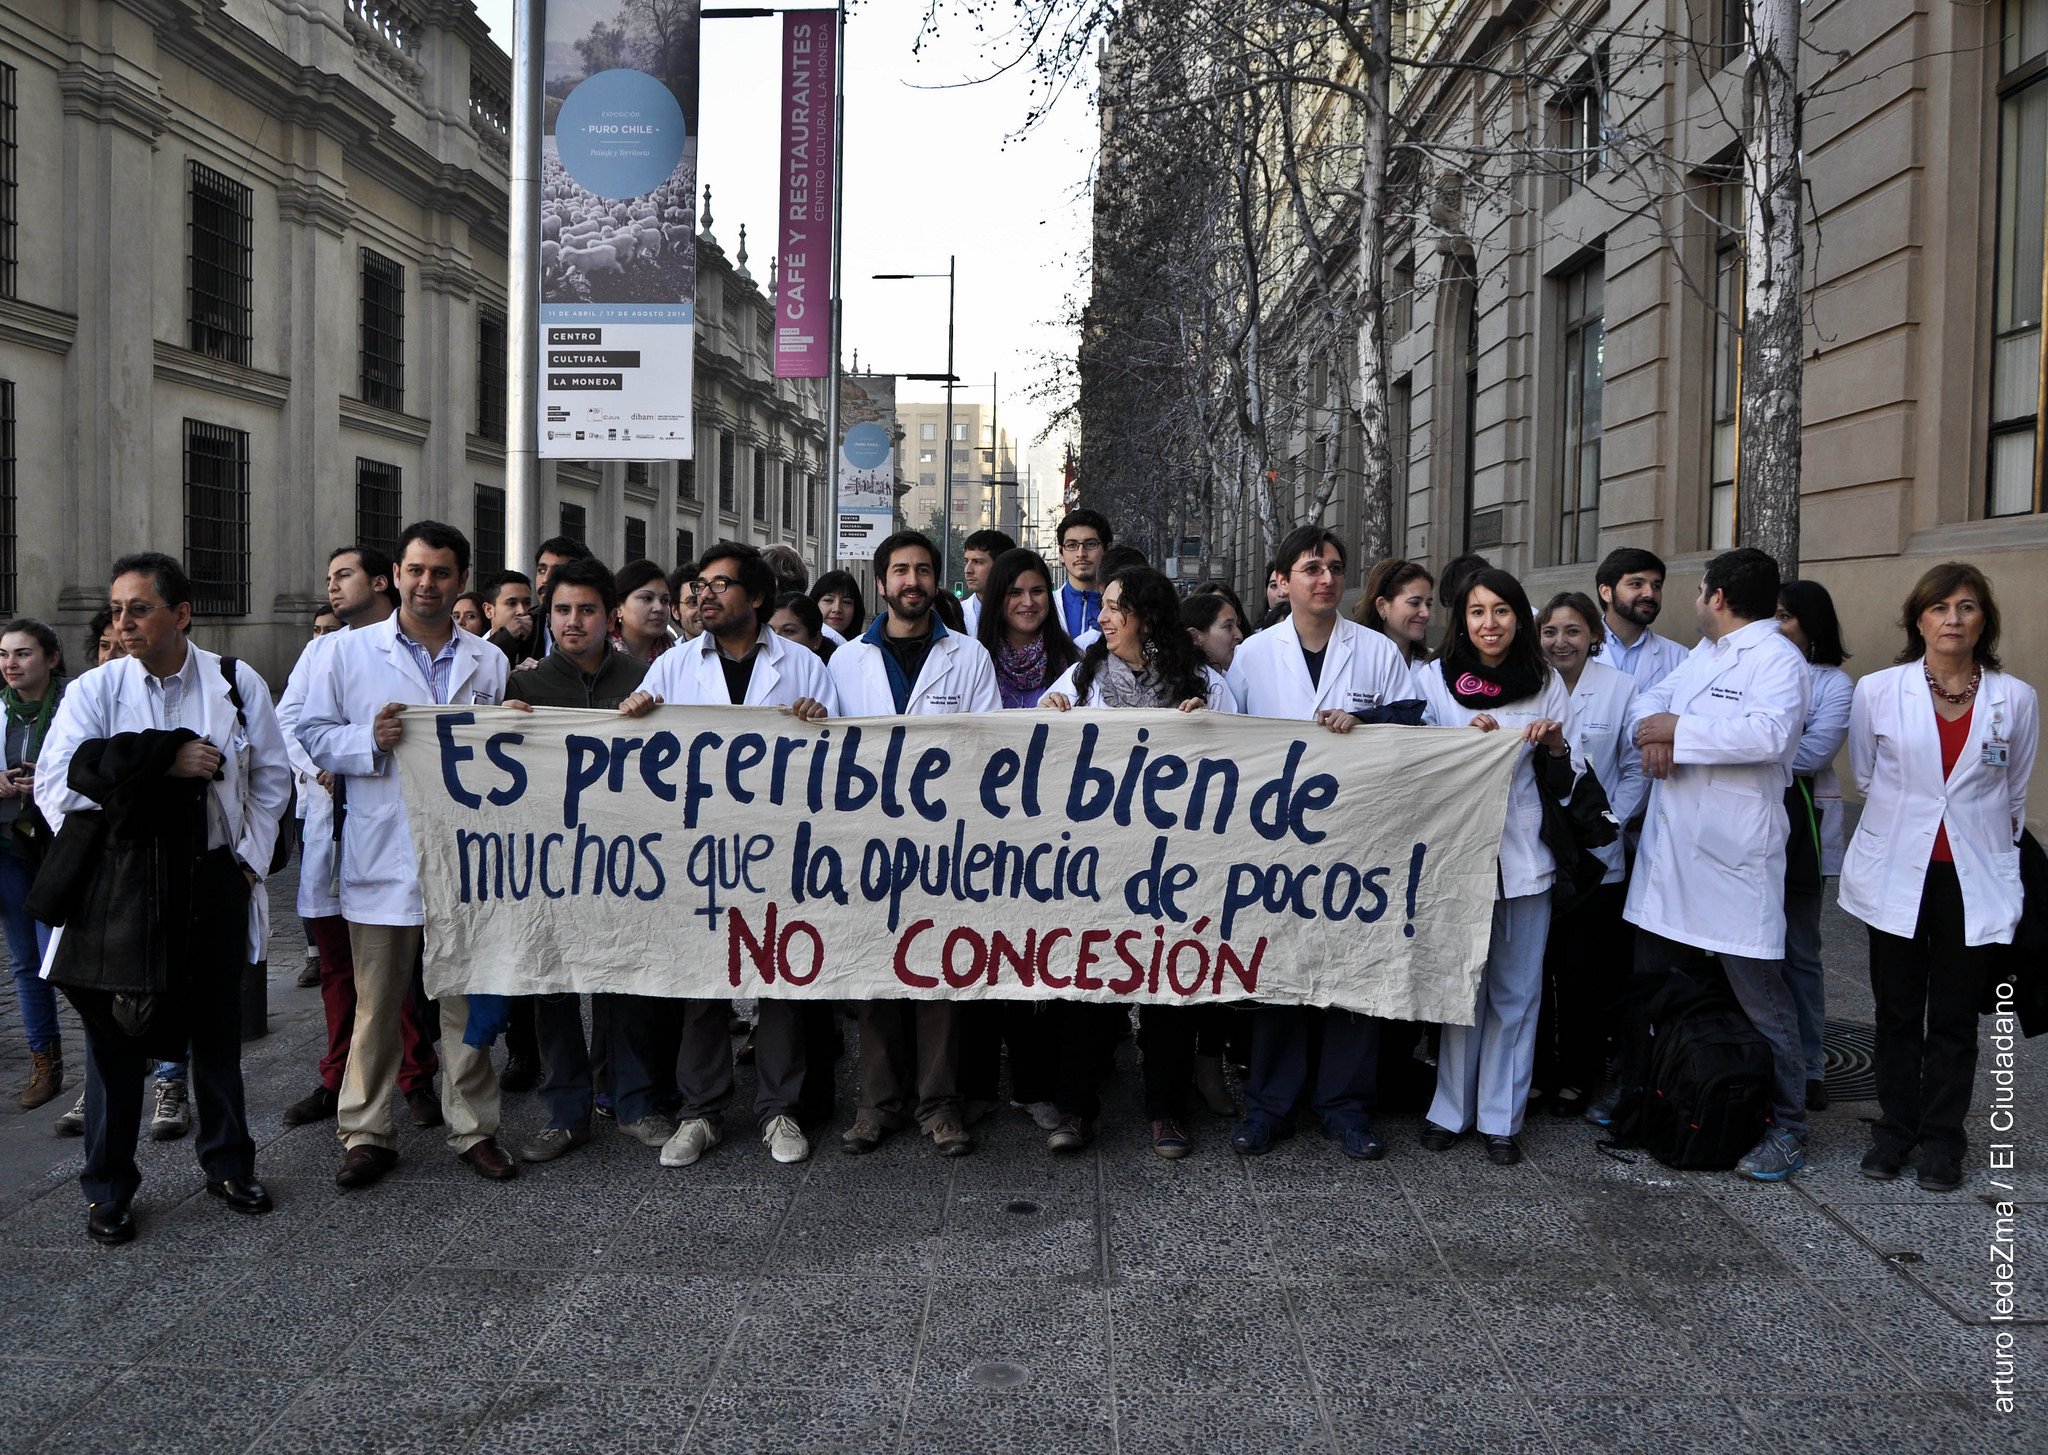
{"x": 252, "y": 306}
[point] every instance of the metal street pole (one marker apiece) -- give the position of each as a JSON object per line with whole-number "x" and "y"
{"x": 522, "y": 286}
{"x": 946, "y": 526}
{"x": 838, "y": 221}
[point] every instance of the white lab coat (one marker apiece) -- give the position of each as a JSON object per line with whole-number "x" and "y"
{"x": 317, "y": 899}
{"x": 1654, "y": 659}
{"x": 1599, "y": 734}
{"x": 256, "y": 776}
{"x": 1711, "y": 873}
{"x": 689, "y": 673}
{"x": 970, "y": 613}
{"x": 1361, "y": 670}
{"x": 830, "y": 633}
{"x": 1221, "y": 698}
{"x": 1895, "y": 754}
{"x": 1526, "y": 863}
{"x": 958, "y": 676}
{"x": 1827, "y": 728}
{"x": 370, "y": 667}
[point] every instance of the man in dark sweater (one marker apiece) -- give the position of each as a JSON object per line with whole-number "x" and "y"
{"x": 582, "y": 670}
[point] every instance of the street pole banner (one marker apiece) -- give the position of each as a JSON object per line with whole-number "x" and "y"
{"x": 803, "y": 299}
{"x": 618, "y": 227}
{"x": 867, "y": 464}
{"x": 1131, "y": 856}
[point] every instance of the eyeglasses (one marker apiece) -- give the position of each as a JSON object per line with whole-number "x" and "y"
{"x": 1089, "y": 545}
{"x": 1316, "y": 570}
{"x": 717, "y": 585}
{"x": 133, "y": 610}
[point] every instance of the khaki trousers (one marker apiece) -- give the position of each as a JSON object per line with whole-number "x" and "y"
{"x": 385, "y": 956}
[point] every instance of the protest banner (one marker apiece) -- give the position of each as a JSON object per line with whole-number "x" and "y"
{"x": 1133, "y": 856}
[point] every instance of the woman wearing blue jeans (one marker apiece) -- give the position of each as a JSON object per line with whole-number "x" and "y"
{"x": 30, "y": 666}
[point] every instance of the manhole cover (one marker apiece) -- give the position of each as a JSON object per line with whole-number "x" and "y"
{"x": 1020, "y": 1205}
{"x": 999, "y": 1376}
{"x": 1849, "y": 1054}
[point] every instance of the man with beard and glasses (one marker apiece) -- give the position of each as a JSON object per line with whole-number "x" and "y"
{"x": 1631, "y": 586}
{"x": 907, "y": 662}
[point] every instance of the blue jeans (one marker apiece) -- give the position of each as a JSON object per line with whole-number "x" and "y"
{"x": 26, "y": 941}
{"x": 1803, "y": 970}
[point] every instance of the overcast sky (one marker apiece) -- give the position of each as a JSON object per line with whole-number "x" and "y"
{"x": 928, "y": 172}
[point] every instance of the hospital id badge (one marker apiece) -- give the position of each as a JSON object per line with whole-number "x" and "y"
{"x": 1996, "y": 755}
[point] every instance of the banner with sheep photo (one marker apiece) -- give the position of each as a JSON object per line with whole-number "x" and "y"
{"x": 618, "y": 223}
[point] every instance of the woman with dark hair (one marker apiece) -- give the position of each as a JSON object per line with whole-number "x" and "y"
{"x": 839, "y": 603}
{"x": 1222, "y": 589}
{"x": 1806, "y": 615}
{"x": 1396, "y": 602}
{"x": 469, "y": 614}
{"x": 1214, "y": 626}
{"x": 101, "y": 645}
{"x": 646, "y": 606}
{"x": 1491, "y": 675}
{"x": 1590, "y": 946}
{"x": 32, "y": 664}
{"x": 1144, "y": 657}
{"x": 797, "y": 617}
{"x": 1021, "y": 633}
{"x": 1941, "y": 746}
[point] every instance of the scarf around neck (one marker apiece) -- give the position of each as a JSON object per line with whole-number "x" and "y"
{"x": 1121, "y": 687}
{"x": 1020, "y": 672}
{"x": 36, "y": 714}
{"x": 1483, "y": 688}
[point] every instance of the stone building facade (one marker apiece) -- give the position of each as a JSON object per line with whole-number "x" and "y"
{"x": 252, "y": 306}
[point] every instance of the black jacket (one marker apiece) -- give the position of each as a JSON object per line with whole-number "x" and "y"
{"x": 559, "y": 682}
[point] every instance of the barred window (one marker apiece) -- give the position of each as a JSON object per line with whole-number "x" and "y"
{"x": 383, "y": 332}
{"x": 217, "y": 518}
{"x": 380, "y": 506}
{"x": 490, "y": 530}
{"x": 10, "y": 557}
{"x": 8, "y": 163}
{"x": 686, "y": 480}
{"x": 725, "y": 472}
{"x": 219, "y": 267}
{"x": 636, "y": 472}
{"x": 575, "y": 521}
{"x": 636, "y": 538}
{"x": 817, "y": 499}
{"x": 1585, "y": 370}
{"x": 490, "y": 376}
{"x": 788, "y": 496}
{"x": 760, "y": 483}
{"x": 686, "y": 548}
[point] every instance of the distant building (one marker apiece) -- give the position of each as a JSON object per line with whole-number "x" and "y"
{"x": 987, "y": 488}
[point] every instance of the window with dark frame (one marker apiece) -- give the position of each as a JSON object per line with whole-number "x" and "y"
{"x": 382, "y": 374}
{"x": 219, "y": 267}
{"x": 2019, "y": 368}
{"x": 10, "y": 525}
{"x": 575, "y": 522}
{"x": 1402, "y": 304}
{"x": 380, "y": 505}
{"x": 760, "y": 491}
{"x": 636, "y": 472}
{"x": 490, "y": 376}
{"x": 1468, "y": 434}
{"x": 686, "y": 479}
{"x": 636, "y": 538}
{"x": 1731, "y": 31}
{"x": 1579, "y": 124}
{"x": 1726, "y": 394}
{"x": 217, "y": 518}
{"x": 727, "y": 472}
{"x": 9, "y": 177}
{"x": 1585, "y": 368}
{"x": 788, "y": 496}
{"x": 686, "y": 547}
{"x": 489, "y": 543}
{"x": 817, "y": 498}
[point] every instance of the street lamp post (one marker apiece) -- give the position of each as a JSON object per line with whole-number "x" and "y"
{"x": 946, "y": 500}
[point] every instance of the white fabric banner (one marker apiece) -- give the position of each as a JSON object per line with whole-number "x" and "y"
{"x": 1123, "y": 856}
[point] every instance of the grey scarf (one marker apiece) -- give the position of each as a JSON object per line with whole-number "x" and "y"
{"x": 1121, "y": 687}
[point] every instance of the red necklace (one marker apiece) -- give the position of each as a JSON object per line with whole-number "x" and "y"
{"x": 1955, "y": 698}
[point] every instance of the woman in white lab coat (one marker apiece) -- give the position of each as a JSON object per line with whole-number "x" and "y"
{"x": 1941, "y": 746}
{"x": 1491, "y": 676}
{"x": 1590, "y": 947}
{"x": 1806, "y": 615}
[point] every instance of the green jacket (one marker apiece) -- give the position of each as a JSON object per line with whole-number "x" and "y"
{"x": 557, "y": 682}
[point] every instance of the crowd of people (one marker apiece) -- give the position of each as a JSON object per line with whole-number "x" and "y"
{"x": 149, "y": 792}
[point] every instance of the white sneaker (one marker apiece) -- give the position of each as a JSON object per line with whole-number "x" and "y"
{"x": 786, "y": 1140}
{"x": 654, "y": 1129}
{"x": 173, "y": 1116}
{"x": 691, "y": 1141}
{"x": 1045, "y": 1115}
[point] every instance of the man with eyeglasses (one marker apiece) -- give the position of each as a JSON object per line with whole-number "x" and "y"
{"x": 1083, "y": 536}
{"x": 738, "y": 662}
{"x": 685, "y": 586}
{"x": 1319, "y": 666}
{"x": 180, "y": 750}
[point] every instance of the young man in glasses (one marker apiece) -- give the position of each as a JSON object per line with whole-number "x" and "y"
{"x": 1083, "y": 536}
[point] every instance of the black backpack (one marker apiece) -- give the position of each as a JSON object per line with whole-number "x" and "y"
{"x": 281, "y": 852}
{"x": 1709, "y": 1093}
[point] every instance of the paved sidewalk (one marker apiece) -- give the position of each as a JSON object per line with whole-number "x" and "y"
{"x": 1013, "y": 1300}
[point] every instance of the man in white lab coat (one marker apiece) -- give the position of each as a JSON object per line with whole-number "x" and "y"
{"x": 353, "y": 717}
{"x": 737, "y": 662}
{"x": 907, "y": 662}
{"x": 1718, "y": 737}
{"x": 189, "y": 768}
{"x": 1318, "y": 666}
{"x": 1631, "y": 586}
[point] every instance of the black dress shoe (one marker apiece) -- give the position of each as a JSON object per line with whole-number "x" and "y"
{"x": 488, "y": 1159}
{"x": 316, "y": 1105}
{"x": 364, "y": 1165}
{"x": 109, "y": 1223}
{"x": 243, "y": 1194}
{"x": 1940, "y": 1171}
{"x": 1882, "y": 1164}
{"x": 1438, "y": 1139}
{"x": 425, "y": 1107}
{"x": 1816, "y": 1095}
{"x": 519, "y": 1075}
{"x": 1502, "y": 1151}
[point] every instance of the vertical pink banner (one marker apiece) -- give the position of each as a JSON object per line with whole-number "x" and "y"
{"x": 803, "y": 306}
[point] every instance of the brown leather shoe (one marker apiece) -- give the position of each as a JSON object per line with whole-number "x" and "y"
{"x": 364, "y": 1164}
{"x": 45, "y": 1076}
{"x": 424, "y": 1106}
{"x": 488, "y": 1159}
{"x": 316, "y": 1105}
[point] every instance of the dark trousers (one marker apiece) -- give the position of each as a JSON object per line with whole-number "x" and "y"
{"x": 1168, "y": 1037}
{"x": 987, "y": 1029}
{"x": 624, "y": 1044}
{"x": 338, "y": 1002}
{"x": 1081, "y": 1038}
{"x": 910, "y": 1062}
{"x": 1346, "y": 1079}
{"x": 522, "y": 1036}
{"x": 1591, "y": 949}
{"x": 704, "y": 1059}
{"x": 822, "y": 1046}
{"x": 117, "y": 1063}
{"x": 1928, "y": 988}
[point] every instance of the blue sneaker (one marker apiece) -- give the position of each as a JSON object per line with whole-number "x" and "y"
{"x": 1255, "y": 1136}
{"x": 1601, "y": 1112}
{"x": 1359, "y": 1141}
{"x": 1775, "y": 1158}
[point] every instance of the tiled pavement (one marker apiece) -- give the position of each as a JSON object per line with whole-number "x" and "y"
{"x": 1012, "y": 1301}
